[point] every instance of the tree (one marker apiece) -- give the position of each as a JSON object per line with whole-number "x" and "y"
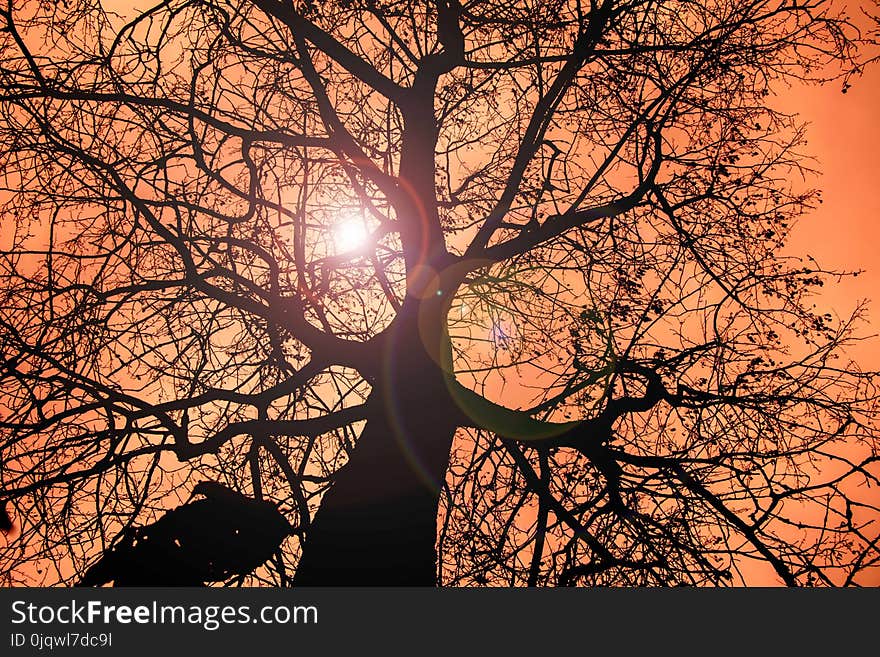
{"x": 181, "y": 548}
{"x": 481, "y": 292}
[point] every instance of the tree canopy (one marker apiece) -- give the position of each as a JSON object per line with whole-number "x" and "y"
{"x": 476, "y": 292}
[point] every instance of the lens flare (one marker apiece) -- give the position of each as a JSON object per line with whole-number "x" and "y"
{"x": 349, "y": 235}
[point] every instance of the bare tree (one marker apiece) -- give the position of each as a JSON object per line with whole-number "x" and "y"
{"x": 478, "y": 293}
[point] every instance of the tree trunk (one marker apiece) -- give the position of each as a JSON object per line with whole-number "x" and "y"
{"x": 377, "y": 523}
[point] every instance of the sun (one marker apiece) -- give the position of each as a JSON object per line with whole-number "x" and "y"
{"x": 349, "y": 235}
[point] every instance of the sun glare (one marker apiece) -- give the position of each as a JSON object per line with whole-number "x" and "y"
{"x": 349, "y": 235}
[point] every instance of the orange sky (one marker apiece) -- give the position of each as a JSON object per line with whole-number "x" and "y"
{"x": 844, "y": 135}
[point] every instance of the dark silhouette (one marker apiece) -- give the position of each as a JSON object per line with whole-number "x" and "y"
{"x": 207, "y": 540}
{"x": 370, "y": 532}
{"x": 5, "y": 519}
{"x": 481, "y": 293}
